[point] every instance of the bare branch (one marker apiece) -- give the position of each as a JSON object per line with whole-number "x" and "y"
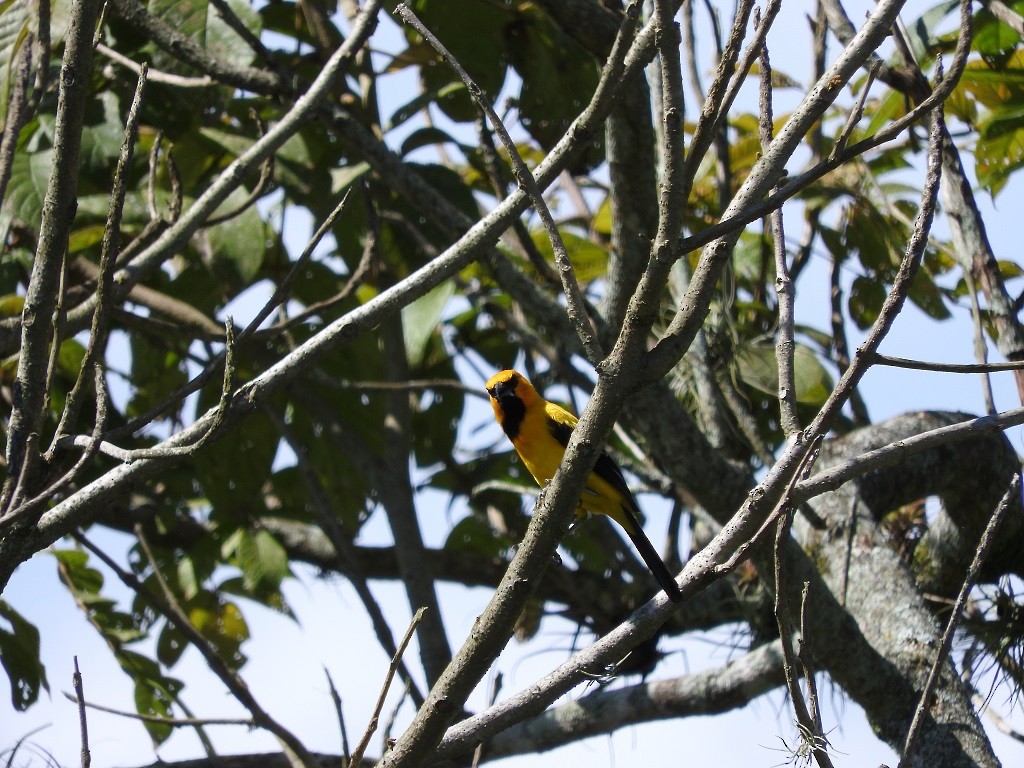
{"x": 83, "y": 720}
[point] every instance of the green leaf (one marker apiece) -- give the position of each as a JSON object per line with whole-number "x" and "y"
{"x": 927, "y": 296}
{"x": 262, "y": 560}
{"x": 238, "y": 245}
{"x": 222, "y": 624}
{"x": 420, "y": 320}
{"x": 19, "y": 656}
{"x": 232, "y": 470}
{"x": 472, "y": 534}
{"x": 14, "y": 28}
{"x": 199, "y": 21}
{"x": 922, "y": 32}
{"x": 865, "y": 302}
{"x": 589, "y": 259}
{"x": 30, "y": 173}
{"x": 156, "y": 372}
{"x": 226, "y": 44}
{"x": 991, "y": 36}
{"x": 758, "y": 367}
{"x": 76, "y": 572}
{"x": 559, "y": 77}
{"x": 425, "y": 137}
{"x": 1000, "y": 148}
{"x": 11, "y": 305}
{"x": 472, "y": 31}
{"x": 154, "y": 692}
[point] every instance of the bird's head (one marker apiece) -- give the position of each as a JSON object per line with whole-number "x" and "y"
{"x": 511, "y": 395}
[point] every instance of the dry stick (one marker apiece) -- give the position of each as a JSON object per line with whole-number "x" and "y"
{"x": 188, "y": 50}
{"x": 83, "y": 721}
{"x": 855, "y": 114}
{"x": 810, "y": 731}
{"x": 355, "y": 279}
{"x": 357, "y": 755}
{"x": 925, "y": 365}
{"x": 166, "y": 604}
{"x": 496, "y": 683}
{"x": 987, "y": 539}
{"x": 284, "y": 289}
{"x": 238, "y": 26}
{"x": 729, "y": 77}
{"x": 575, "y": 304}
{"x": 156, "y": 76}
{"x": 15, "y": 115}
{"x": 785, "y": 501}
{"x": 42, "y": 57}
{"x": 29, "y": 391}
{"x": 266, "y": 172}
{"x": 336, "y": 699}
{"x": 980, "y": 347}
{"x": 495, "y": 174}
{"x": 784, "y": 346}
{"x": 174, "y": 722}
{"x": 997, "y": 720}
{"x": 840, "y": 342}
{"x": 804, "y": 654}
{"x": 389, "y": 724}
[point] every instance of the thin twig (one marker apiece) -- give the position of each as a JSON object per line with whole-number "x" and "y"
{"x": 16, "y": 114}
{"x": 83, "y": 721}
{"x": 174, "y": 722}
{"x": 980, "y": 347}
{"x": 784, "y": 344}
{"x": 336, "y": 699}
{"x": 357, "y": 755}
{"x": 164, "y": 78}
{"x": 807, "y": 460}
{"x": 804, "y": 654}
{"x": 810, "y": 731}
{"x": 925, "y": 365}
{"x": 856, "y": 113}
{"x": 987, "y": 538}
{"x": 284, "y": 289}
{"x": 492, "y": 697}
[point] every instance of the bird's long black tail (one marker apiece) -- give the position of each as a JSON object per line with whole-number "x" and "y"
{"x": 651, "y": 557}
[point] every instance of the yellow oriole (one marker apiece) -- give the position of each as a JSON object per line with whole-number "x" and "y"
{"x": 540, "y": 431}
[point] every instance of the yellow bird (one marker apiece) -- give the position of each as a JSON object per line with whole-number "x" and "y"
{"x": 540, "y": 431}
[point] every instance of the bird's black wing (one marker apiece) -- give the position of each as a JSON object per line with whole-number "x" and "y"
{"x": 605, "y": 468}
